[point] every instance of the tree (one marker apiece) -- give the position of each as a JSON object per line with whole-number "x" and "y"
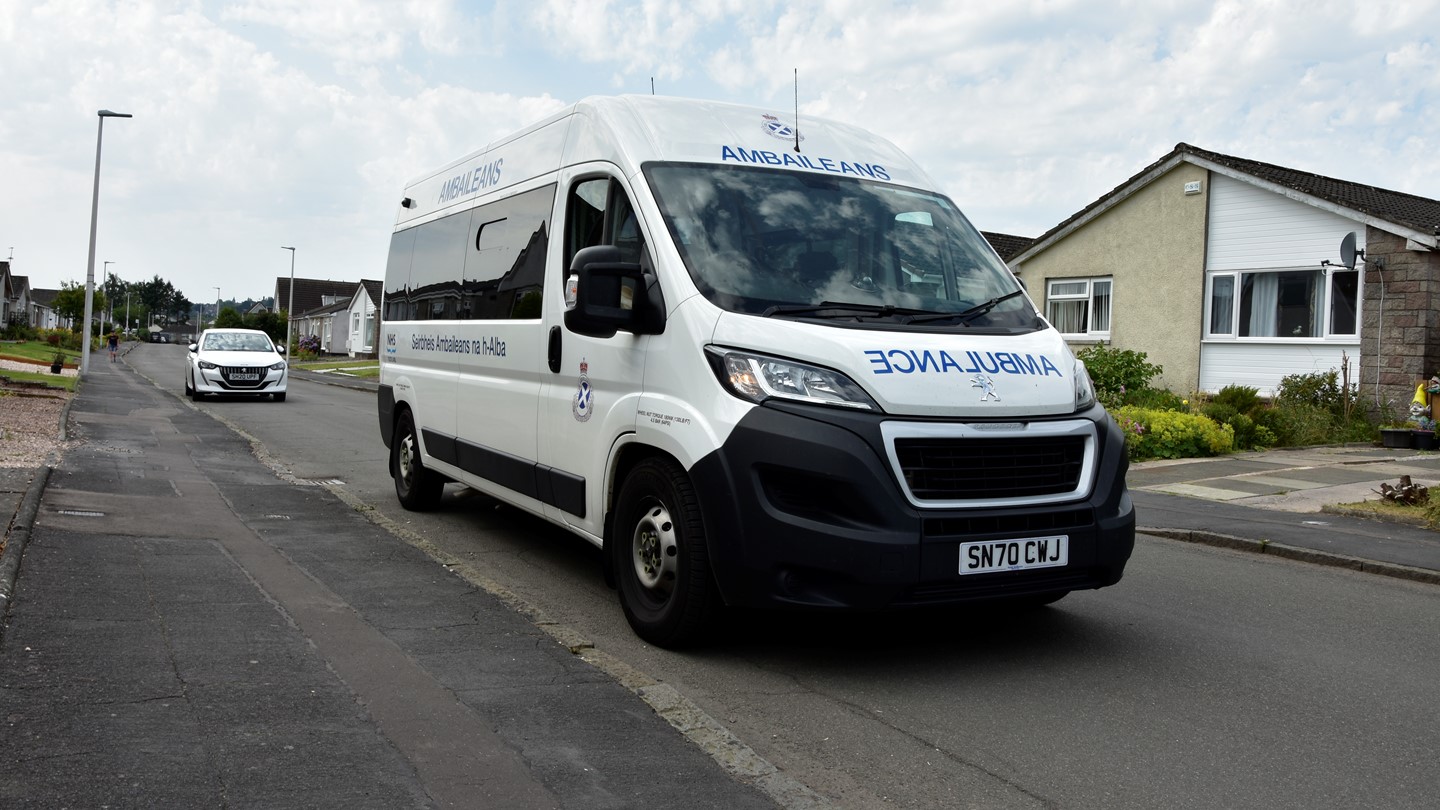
{"x": 229, "y": 319}
{"x": 70, "y": 302}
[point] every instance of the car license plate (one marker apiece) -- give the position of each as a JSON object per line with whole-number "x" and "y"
{"x": 245, "y": 376}
{"x": 1014, "y": 555}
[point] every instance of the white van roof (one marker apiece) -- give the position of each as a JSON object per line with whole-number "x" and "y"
{"x": 630, "y": 131}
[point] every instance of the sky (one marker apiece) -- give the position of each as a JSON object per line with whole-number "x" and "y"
{"x": 264, "y": 123}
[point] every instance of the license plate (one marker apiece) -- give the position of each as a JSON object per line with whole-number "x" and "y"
{"x": 1014, "y": 555}
{"x": 245, "y": 376}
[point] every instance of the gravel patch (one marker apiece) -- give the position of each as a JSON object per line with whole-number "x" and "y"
{"x": 29, "y": 426}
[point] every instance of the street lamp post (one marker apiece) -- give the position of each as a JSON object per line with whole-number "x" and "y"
{"x": 105, "y": 281}
{"x": 290, "y": 304}
{"x": 216, "y": 322}
{"x": 90, "y": 266}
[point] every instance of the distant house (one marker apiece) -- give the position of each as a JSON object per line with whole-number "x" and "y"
{"x": 363, "y": 317}
{"x": 257, "y": 309}
{"x": 20, "y": 301}
{"x": 42, "y": 309}
{"x": 1227, "y": 271}
{"x": 5, "y": 293}
{"x": 310, "y": 295}
{"x": 326, "y": 322}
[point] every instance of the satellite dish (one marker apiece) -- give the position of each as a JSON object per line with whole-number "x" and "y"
{"x": 1347, "y": 251}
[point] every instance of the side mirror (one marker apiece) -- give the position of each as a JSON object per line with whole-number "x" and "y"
{"x": 605, "y": 295}
{"x": 193, "y": 347}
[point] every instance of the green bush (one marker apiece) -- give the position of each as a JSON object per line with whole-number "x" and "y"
{"x": 1297, "y": 424}
{"x": 1172, "y": 434}
{"x": 1116, "y": 372}
{"x": 1320, "y": 389}
{"x": 1242, "y": 398}
{"x": 1155, "y": 399}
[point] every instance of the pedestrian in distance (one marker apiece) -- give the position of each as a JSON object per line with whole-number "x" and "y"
{"x": 114, "y": 345}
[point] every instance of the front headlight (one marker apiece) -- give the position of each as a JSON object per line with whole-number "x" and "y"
{"x": 205, "y": 364}
{"x": 1084, "y": 389}
{"x": 757, "y": 377}
{"x": 280, "y": 366}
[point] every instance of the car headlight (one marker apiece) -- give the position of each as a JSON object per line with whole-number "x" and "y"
{"x": 280, "y": 366}
{"x": 757, "y": 377}
{"x": 1084, "y": 389}
{"x": 205, "y": 364}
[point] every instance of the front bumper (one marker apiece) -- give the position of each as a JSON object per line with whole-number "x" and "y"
{"x": 804, "y": 507}
{"x": 232, "y": 380}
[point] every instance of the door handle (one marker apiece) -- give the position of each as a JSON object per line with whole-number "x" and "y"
{"x": 555, "y": 349}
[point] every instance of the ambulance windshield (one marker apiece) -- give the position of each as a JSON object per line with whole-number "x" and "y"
{"x": 798, "y": 244}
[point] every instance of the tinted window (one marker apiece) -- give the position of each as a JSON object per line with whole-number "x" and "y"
{"x": 488, "y": 262}
{"x": 397, "y": 276}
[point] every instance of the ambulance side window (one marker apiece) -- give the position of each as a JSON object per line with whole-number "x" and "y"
{"x": 599, "y": 213}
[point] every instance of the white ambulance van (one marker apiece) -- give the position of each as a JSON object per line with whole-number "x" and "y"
{"x": 759, "y": 361}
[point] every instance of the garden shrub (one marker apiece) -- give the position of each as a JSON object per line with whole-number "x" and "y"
{"x": 1172, "y": 434}
{"x": 1297, "y": 424}
{"x": 1321, "y": 389}
{"x": 1242, "y": 398}
{"x": 1155, "y": 399}
{"x": 1116, "y": 371}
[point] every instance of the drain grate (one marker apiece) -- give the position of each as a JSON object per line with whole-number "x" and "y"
{"x": 79, "y": 513}
{"x": 319, "y": 482}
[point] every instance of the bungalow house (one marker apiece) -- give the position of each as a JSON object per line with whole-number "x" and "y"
{"x": 362, "y": 316}
{"x": 1229, "y": 271}
{"x": 20, "y": 301}
{"x": 5, "y": 284}
{"x": 310, "y": 295}
{"x": 327, "y": 323}
{"x": 42, "y": 309}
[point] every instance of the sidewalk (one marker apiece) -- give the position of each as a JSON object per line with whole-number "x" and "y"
{"x": 1279, "y": 502}
{"x": 190, "y": 630}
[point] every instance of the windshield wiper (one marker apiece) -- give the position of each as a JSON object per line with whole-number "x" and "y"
{"x": 966, "y": 315}
{"x": 841, "y": 310}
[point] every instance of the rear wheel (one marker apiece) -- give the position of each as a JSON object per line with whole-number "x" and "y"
{"x": 659, "y": 555}
{"x": 417, "y": 488}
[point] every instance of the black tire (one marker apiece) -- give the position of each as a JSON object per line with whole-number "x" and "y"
{"x": 189, "y": 390}
{"x": 417, "y": 488}
{"x": 659, "y": 555}
{"x": 280, "y": 397}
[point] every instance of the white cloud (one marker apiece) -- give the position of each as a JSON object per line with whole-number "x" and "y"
{"x": 268, "y": 122}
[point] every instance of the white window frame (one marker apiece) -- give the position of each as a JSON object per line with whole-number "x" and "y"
{"x": 1327, "y": 304}
{"x": 1089, "y": 298}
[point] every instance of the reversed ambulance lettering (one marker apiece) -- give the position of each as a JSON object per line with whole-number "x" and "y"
{"x": 900, "y": 361}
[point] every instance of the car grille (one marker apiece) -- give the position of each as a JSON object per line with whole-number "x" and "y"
{"x": 949, "y": 469}
{"x": 229, "y": 374}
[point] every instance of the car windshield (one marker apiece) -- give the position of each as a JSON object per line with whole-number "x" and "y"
{"x": 803, "y": 245}
{"x": 231, "y": 342}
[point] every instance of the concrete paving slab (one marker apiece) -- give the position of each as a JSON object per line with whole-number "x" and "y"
{"x": 1207, "y": 493}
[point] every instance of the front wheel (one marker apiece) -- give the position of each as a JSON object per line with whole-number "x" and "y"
{"x": 659, "y": 556}
{"x": 280, "y": 397}
{"x": 417, "y": 488}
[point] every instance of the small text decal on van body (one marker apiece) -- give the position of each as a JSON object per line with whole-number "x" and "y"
{"x": 472, "y": 181}
{"x": 901, "y": 361}
{"x": 764, "y": 157}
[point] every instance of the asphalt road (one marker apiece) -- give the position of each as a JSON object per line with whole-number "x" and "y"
{"x": 1206, "y": 678}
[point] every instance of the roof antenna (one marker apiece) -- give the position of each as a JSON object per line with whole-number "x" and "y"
{"x": 652, "y": 85}
{"x": 797, "y": 109}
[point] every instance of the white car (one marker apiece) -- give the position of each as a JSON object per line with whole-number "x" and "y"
{"x": 234, "y": 361}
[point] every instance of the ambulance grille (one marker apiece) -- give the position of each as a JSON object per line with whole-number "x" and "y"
{"x": 945, "y": 469}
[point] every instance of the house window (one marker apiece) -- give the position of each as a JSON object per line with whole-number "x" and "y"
{"x": 1284, "y": 304}
{"x": 1079, "y": 306}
